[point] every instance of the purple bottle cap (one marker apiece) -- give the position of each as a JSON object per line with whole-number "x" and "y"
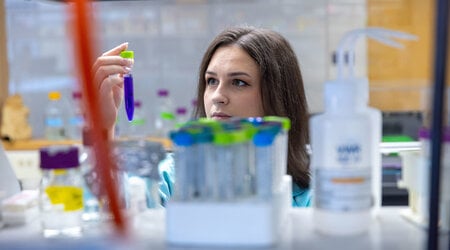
{"x": 181, "y": 111}
{"x": 163, "y": 92}
{"x": 137, "y": 103}
{"x": 59, "y": 157}
{"x": 76, "y": 95}
{"x": 447, "y": 134}
{"x": 424, "y": 133}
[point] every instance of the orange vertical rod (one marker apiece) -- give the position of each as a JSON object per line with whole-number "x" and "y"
{"x": 84, "y": 50}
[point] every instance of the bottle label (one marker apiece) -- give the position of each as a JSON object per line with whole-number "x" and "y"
{"x": 54, "y": 122}
{"x": 76, "y": 120}
{"x": 69, "y": 196}
{"x": 138, "y": 122}
{"x": 343, "y": 190}
{"x": 167, "y": 116}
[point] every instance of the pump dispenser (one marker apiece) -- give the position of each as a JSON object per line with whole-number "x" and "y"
{"x": 346, "y": 161}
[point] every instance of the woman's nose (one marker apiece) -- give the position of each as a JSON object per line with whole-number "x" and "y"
{"x": 220, "y": 95}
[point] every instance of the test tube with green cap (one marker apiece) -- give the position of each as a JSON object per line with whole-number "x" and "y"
{"x": 223, "y": 153}
{"x": 242, "y": 170}
{"x": 128, "y": 86}
{"x": 281, "y": 145}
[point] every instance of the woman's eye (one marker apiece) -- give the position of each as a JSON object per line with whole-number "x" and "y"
{"x": 239, "y": 83}
{"x": 211, "y": 81}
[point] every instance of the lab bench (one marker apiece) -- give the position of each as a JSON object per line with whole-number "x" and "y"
{"x": 389, "y": 230}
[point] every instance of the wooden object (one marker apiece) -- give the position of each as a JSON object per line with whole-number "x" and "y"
{"x": 400, "y": 78}
{"x": 14, "y": 123}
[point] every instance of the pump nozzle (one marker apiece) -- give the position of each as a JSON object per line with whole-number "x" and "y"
{"x": 348, "y": 42}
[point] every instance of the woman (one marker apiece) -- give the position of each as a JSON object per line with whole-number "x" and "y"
{"x": 245, "y": 72}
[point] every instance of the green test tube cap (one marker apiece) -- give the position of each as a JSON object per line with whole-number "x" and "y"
{"x": 127, "y": 54}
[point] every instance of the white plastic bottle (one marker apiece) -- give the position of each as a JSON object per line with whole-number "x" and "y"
{"x": 341, "y": 146}
{"x": 375, "y": 117}
{"x": 164, "y": 116}
{"x": 347, "y": 45}
{"x": 55, "y": 117}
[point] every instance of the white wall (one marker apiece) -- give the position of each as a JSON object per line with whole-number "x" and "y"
{"x": 169, "y": 38}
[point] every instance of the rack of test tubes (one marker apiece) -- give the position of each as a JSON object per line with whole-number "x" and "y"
{"x": 231, "y": 186}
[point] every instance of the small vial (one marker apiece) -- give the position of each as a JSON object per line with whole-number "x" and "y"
{"x": 76, "y": 117}
{"x": 54, "y": 117}
{"x": 181, "y": 116}
{"x": 61, "y": 192}
{"x": 164, "y": 116}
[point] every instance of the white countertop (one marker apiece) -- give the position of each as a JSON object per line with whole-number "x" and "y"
{"x": 389, "y": 230}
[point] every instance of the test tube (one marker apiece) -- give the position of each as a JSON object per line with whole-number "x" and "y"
{"x": 265, "y": 159}
{"x": 184, "y": 155}
{"x": 241, "y": 162}
{"x": 281, "y": 145}
{"x": 223, "y": 152}
{"x": 128, "y": 86}
{"x": 203, "y": 144}
{"x": 210, "y": 127}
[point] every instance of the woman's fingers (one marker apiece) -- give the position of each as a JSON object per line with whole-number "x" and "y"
{"x": 110, "y": 63}
{"x": 106, "y": 71}
{"x": 116, "y": 51}
{"x": 111, "y": 92}
{"x": 110, "y": 60}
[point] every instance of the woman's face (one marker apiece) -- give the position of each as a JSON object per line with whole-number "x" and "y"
{"x": 232, "y": 85}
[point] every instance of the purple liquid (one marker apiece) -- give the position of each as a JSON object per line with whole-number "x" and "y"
{"x": 129, "y": 95}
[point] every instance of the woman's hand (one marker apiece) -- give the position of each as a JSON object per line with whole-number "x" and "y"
{"x": 108, "y": 70}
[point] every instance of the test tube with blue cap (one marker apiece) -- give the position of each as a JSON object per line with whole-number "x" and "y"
{"x": 128, "y": 86}
{"x": 184, "y": 160}
{"x": 265, "y": 152}
{"x": 204, "y": 155}
{"x": 281, "y": 145}
{"x": 196, "y": 174}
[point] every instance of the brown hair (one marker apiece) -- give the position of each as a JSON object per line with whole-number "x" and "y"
{"x": 281, "y": 88}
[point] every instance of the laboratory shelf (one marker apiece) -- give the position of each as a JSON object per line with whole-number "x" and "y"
{"x": 389, "y": 230}
{"x": 36, "y": 144}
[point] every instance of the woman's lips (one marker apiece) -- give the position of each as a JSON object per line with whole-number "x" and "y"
{"x": 220, "y": 116}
